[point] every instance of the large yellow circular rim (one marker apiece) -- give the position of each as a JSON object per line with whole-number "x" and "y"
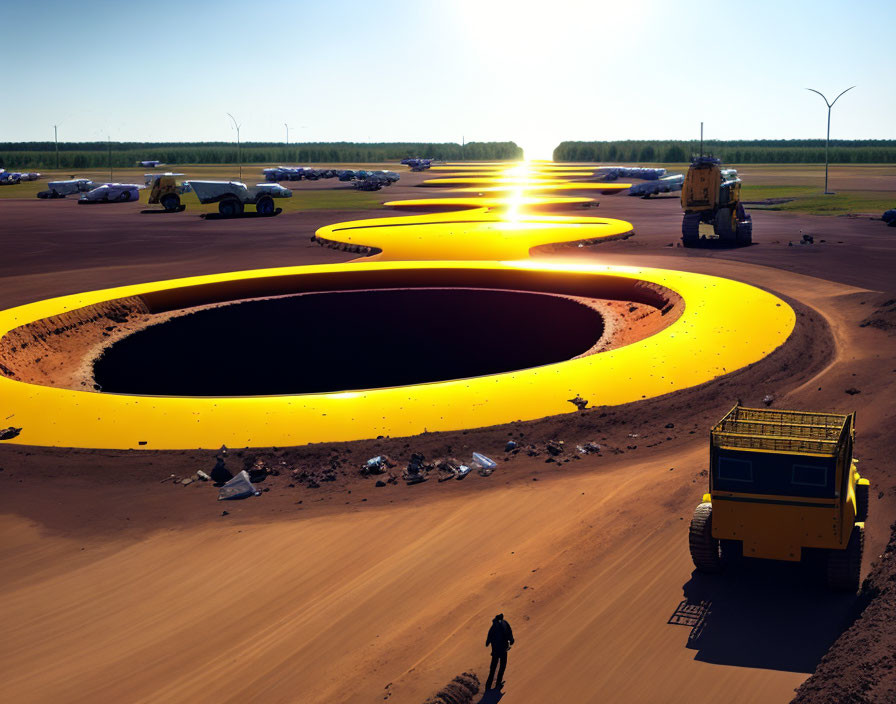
{"x": 725, "y": 325}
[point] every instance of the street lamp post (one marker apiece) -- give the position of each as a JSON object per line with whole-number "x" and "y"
{"x": 239, "y": 154}
{"x": 828, "y": 140}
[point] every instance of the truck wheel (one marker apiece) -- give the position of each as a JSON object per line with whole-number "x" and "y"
{"x": 705, "y": 550}
{"x": 862, "y": 502}
{"x": 230, "y": 207}
{"x": 170, "y": 202}
{"x": 845, "y": 566}
{"x": 723, "y": 225}
{"x": 265, "y": 206}
{"x": 690, "y": 229}
{"x": 744, "y": 233}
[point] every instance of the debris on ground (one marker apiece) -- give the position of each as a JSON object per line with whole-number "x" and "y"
{"x": 258, "y": 470}
{"x": 376, "y": 465}
{"x": 486, "y": 465}
{"x": 462, "y": 471}
{"x": 589, "y": 448}
{"x": 768, "y": 399}
{"x": 416, "y": 469}
{"x": 579, "y": 402}
{"x": 9, "y": 433}
{"x": 202, "y": 476}
{"x": 852, "y": 391}
{"x": 380, "y": 483}
{"x": 460, "y": 690}
{"x": 554, "y": 447}
{"x": 238, "y": 488}
{"x": 511, "y": 445}
{"x": 447, "y": 468}
{"x": 220, "y": 474}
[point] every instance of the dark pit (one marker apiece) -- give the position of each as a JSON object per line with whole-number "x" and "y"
{"x": 347, "y": 340}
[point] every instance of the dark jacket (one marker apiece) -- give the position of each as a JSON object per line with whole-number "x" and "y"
{"x": 500, "y": 636}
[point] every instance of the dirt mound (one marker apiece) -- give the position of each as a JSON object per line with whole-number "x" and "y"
{"x": 460, "y": 690}
{"x": 860, "y": 667}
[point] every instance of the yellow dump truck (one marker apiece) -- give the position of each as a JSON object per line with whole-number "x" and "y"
{"x": 783, "y": 485}
{"x": 711, "y": 195}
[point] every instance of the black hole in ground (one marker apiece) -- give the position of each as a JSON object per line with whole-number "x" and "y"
{"x": 338, "y": 341}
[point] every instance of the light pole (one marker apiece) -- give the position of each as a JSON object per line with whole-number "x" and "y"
{"x": 827, "y": 141}
{"x": 239, "y": 154}
{"x": 56, "y": 140}
{"x": 109, "y": 143}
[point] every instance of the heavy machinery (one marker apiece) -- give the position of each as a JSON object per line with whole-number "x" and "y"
{"x": 666, "y": 184}
{"x": 165, "y": 190}
{"x": 783, "y": 485}
{"x": 233, "y": 196}
{"x": 711, "y": 195}
{"x": 61, "y": 189}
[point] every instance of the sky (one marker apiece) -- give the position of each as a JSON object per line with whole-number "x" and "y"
{"x": 536, "y": 73}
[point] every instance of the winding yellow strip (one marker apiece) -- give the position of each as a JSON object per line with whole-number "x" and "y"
{"x": 725, "y": 325}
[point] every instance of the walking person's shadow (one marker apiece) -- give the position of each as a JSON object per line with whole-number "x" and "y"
{"x": 491, "y": 696}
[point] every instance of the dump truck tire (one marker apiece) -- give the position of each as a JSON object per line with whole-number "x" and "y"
{"x": 171, "y": 201}
{"x": 230, "y": 207}
{"x": 722, "y": 225}
{"x": 690, "y": 230}
{"x": 744, "y": 232}
{"x": 862, "y": 502}
{"x": 845, "y": 566}
{"x": 705, "y": 550}
{"x": 265, "y": 206}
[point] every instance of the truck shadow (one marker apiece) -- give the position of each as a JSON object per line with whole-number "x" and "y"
{"x": 776, "y": 616}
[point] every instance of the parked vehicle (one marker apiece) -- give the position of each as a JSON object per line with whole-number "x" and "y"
{"x": 112, "y": 193}
{"x": 61, "y": 189}
{"x": 233, "y": 196}
{"x": 667, "y": 184}
{"x": 166, "y": 191}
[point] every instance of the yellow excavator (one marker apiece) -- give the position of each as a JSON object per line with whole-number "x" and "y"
{"x": 711, "y": 195}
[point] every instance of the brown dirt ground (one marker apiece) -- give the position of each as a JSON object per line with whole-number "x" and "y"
{"x": 120, "y": 585}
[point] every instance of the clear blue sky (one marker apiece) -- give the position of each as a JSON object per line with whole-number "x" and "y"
{"x": 422, "y": 70}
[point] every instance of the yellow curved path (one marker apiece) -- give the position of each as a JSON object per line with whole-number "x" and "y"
{"x": 725, "y": 325}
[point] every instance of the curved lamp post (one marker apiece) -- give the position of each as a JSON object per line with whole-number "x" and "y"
{"x": 827, "y": 141}
{"x": 239, "y": 154}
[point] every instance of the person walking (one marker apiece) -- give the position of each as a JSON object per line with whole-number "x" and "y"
{"x": 500, "y": 637}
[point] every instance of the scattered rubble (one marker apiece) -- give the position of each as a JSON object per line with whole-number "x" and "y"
{"x": 579, "y": 402}
{"x": 238, "y": 488}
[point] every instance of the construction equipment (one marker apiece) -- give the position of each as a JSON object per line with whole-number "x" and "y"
{"x": 61, "y": 189}
{"x": 165, "y": 190}
{"x": 783, "y": 485}
{"x": 666, "y": 184}
{"x": 233, "y": 196}
{"x": 711, "y": 195}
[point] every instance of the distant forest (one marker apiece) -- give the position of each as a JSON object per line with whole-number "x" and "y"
{"x": 82, "y": 155}
{"x": 758, "y": 151}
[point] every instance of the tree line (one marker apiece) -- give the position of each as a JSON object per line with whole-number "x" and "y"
{"x": 83, "y": 155}
{"x": 758, "y": 151}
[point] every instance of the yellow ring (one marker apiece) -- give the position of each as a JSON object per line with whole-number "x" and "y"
{"x": 725, "y": 325}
